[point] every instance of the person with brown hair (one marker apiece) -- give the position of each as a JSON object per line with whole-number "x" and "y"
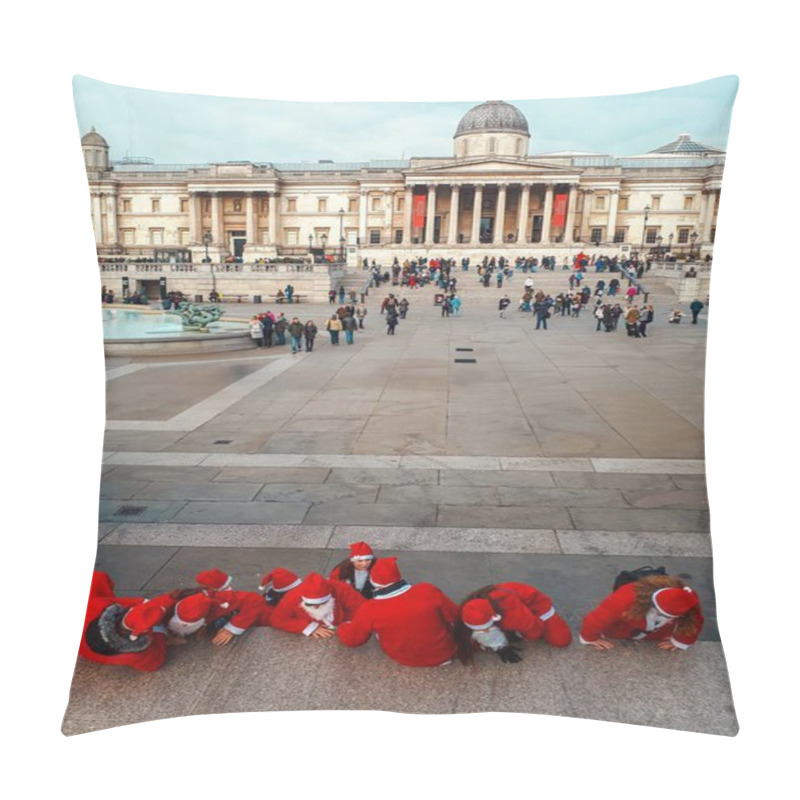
{"x": 355, "y": 569}
{"x": 656, "y": 607}
{"x": 492, "y": 617}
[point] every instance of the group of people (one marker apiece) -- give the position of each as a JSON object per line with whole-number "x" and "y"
{"x": 268, "y": 330}
{"x": 415, "y": 624}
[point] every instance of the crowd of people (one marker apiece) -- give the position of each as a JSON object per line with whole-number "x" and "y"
{"x": 415, "y": 624}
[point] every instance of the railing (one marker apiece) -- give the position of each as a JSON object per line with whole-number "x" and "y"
{"x": 258, "y": 268}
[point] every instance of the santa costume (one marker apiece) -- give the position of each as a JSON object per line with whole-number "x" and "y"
{"x": 124, "y": 631}
{"x": 355, "y": 569}
{"x": 413, "y": 623}
{"x": 316, "y": 602}
{"x": 672, "y": 614}
{"x": 232, "y": 610}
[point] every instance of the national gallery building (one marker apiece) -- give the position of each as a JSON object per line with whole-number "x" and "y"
{"x": 490, "y": 197}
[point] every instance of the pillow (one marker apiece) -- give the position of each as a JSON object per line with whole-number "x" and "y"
{"x": 495, "y": 413}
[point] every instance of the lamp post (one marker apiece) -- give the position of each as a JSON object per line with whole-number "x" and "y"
{"x": 644, "y": 226}
{"x": 659, "y": 239}
{"x": 669, "y": 246}
{"x": 310, "y": 242}
{"x": 693, "y": 238}
{"x": 341, "y": 236}
{"x": 207, "y": 239}
{"x": 324, "y": 240}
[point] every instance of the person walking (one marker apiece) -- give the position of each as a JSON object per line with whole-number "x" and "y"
{"x": 267, "y": 326}
{"x": 349, "y": 326}
{"x": 695, "y": 307}
{"x": 333, "y": 326}
{"x": 455, "y": 304}
{"x": 503, "y": 305}
{"x": 296, "y": 330}
{"x": 632, "y": 321}
{"x": 310, "y": 333}
{"x": 391, "y": 320}
{"x": 361, "y": 313}
{"x": 280, "y": 329}
{"x": 646, "y": 316}
{"x": 541, "y": 311}
{"x": 446, "y": 307}
{"x": 341, "y": 294}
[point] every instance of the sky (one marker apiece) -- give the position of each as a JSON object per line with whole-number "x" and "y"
{"x": 177, "y": 128}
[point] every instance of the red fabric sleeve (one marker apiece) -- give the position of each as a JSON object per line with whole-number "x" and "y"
{"x": 248, "y": 611}
{"x": 347, "y": 598}
{"x": 288, "y": 616}
{"x": 357, "y": 632}
{"x": 610, "y": 610}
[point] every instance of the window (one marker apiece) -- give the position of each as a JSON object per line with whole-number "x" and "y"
{"x": 623, "y": 202}
{"x": 650, "y": 236}
{"x": 619, "y": 235}
{"x": 599, "y": 202}
{"x": 655, "y": 203}
{"x": 401, "y": 203}
{"x": 291, "y": 204}
{"x": 264, "y": 206}
{"x": 375, "y": 236}
{"x": 351, "y": 235}
{"x": 126, "y": 204}
{"x": 518, "y": 147}
{"x": 683, "y": 235}
{"x": 322, "y": 204}
{"x": 492, "y": 145}
{"x": 688, "y": 202}
{"x": 597, "y": 235}
{"x": 376, "y": 203}
{"x": 128, "y": 236}
{"x": 206, "y": 205}
{"x": 398, "y": 236}
{"x": 352, "y": 205}
{"x": 156, "y": 236}
{"x": 184, "y": 205}
{"x": 237, "y": 206}
{"x": 291, "y": 235}
{"x": 183, "y": 236}
{"x": 155, "y": 205}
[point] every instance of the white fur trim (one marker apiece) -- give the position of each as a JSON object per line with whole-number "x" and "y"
{"x": 547, "y": 614}
{"x": 395, "y": 593}
{"x": 492, "y": 620}
{"x": 658, "y": 607}
{"x": 583, "y": 641}
{"x": 234, "y": 630}
{"x": 310, "y": 628}
{"x": 316, "y": 601}
{"x": 679, "y": 645}
{"x": 362, "y": 558}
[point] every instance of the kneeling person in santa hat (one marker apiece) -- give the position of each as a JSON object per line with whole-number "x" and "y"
{"x": 355, "y": 569}
{"x": 274, "y": 586}
{"x": 657, "y": 607}
{"x": 124, "y": 631}
{"x": 233, "y": 612}
{"x": 316, "y": 607}
{"x": 413, "y": 623}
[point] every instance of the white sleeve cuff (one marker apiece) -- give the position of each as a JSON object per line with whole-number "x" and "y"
{"x": 310, "y": 628}
{"x": 679, "y": 645}
{"x": 583, "y": 641}
{"x": 547, "y": 614}
{"x": 234, "y": 630}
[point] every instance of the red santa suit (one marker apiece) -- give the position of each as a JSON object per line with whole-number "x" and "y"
{"x": 413, "y": 624}
{"x": 530, "y": 613}
{"x": 360, "y": 552}
{"x": 610, "y": 620}
{"x": 316, "y": 602}
{"x": 242, "y": 610}
{"x": 124, "y": 631}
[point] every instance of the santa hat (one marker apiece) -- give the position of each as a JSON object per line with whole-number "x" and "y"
{"x": 385, "y": 572}
{"x": 190, "y": 614}
{"x": 214, "y": 579}
{"x": 140, "y": 619}
{"x": 315, "y": 590}
{"x": 479, "y": 614}
{"x": 361, "y": 551}
{"x": 675, "y": 602}
{"x": 279, "y": 580}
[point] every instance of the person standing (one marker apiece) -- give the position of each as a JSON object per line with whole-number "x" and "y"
{"x": 632, "y": 322}
{"x": 267, "y": 326}
{"x": 541, "y": 311}
{"x": 455, "y": 304}
{"x": 280, "y": 329}
{"x": 349, "y": 326}
{"x": 646, "y": 316}
{"x": 257, "y": 332}
{"x": 503, "y": 305}
{"x": 412, "y": 623}
{"x": 361, "y": 313}
{"x": 446, "y": 307}
{"x": 341, "y": 294}
{"x": 391, "y": 320}
{"x": 296, "y": 330}
{"x": 402, "y": 307}
{"x": 333, "y": 326}
{"x": 695, "y": 307}
{"x": 310, "y": 333}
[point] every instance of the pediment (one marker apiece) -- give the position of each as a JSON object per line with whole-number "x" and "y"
{"x": 493, "y": 166}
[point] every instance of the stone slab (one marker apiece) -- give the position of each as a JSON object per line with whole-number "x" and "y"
{"x": 152, "y": 510}
{"x": 111, "y": 489}
{"x": 272, "y": 475}
{"x": 211, "y": 491}
{"x": 667, "y": 466}
{"x": 623, "y": 519}
{"x": 634, "y": 543}
{"x": 162, "y": 473}
{"x": 132, "y": 567}
{"x": 384, "y": 476}
{"x": 344, "y": 513}
{"x": 253, "y": 513}
{"x": 569, "y": 498}
{"x": 317, "y": 493}
{"x": 613, "y": 480}
{"x": 502, "y": 517}
{"x": 451, "y": 495}
{"x": 470, "y": 477}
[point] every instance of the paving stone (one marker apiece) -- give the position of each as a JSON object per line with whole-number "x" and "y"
{"x": 168, "y": 473}
{"x": 163, "y": 490}
{"x": 132, "y": 567}
{"x": 318, "y": 493}
{"x": 345, "y": 513}
{"x": 535, "y": 497}
{"x": 272, "y": 475}
{"x": 668, "y": 466}
{"x": 451, "y": 495}
{"x": 152, "y": 510}
{"x": 309, "y": 442}
{"x": 502, "y": 517}
{"x": 620, "y": 480}
{"x": 471, "y": 477}
{"x": 385, "y": 477}
{"x": 634, "y": 543}
{"x": 670, "y": 499}
{"x": 623, "y": 519}
{"x": 256, "y": 513}
{"x": 120, "y": 489}
{"x": 104, "y": 529}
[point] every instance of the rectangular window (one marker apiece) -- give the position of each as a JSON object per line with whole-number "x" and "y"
{"x": 351, "y": 235}
{"x": 683, "y": 235}
{"x": 599, "y": 203}
{"x": 237, "y": 206}
{"x": 126, "y": 204}
{"x": 398, "y": 236}
{"x": 183, "y": 236}
{"x": 264, "y": 206}
{"x": 688, "y": 202}
{"x": 128, "y": 236}
{"x": 623, "y": 202}
{"x": 291, "y": 204}
{"x": 206, "y": 205}
{"x": 375, "y": 236}
{"x": 401, "y": 203}
{"x": 352, "y": 205}
{"x": 376, "y": 203}
{"x": 291, "y": 235}
{"x": 655, "y": 203}
{"x": 597, "y": 235}
{"x": 322, "y": 204}
{"x": 155, "y": 205}
{"x": 156, "y": 236}
{"x": 652, "y": 234}
{"x": 619, "y": 235}
{"x": 184, "y": 205}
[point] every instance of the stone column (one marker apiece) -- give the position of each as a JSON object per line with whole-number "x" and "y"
{"x": 524, "y": 212}
{"x": 388, "y": 215}
{"x": 431, "y": 213}
{"x": 452, "y": 231}
{"x": 477, "y": 208}
{"x": 111, "y": 218}
{"x": 611, "y": 225}
{"x": 569, "y": 225}
{"x": 273, "y": 218}
{"x": 216, "y": 218}
{"x": 500, "y": 216}
{"x": 586, "y": 233}
{"x": 363, "y": 199}
{"x": 548, "y": 213}
{"x": 194, "y": 235}
{"x": 708, "y": 216}
{"x": 97, "y": 219}
{"x": 407, "y": 211}
{"x": 250, "y": 219}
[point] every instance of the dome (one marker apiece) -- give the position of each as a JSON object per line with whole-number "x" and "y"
{"x": 494, "y": 115}
{"x": 94, "y": 138}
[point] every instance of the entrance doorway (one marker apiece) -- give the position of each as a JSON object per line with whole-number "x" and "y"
{"x": 151, "y": 289}
{"x": 487, "y": 229}
{"x": 238, "y": 241}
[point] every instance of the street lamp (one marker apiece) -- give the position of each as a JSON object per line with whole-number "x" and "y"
{"x": 669, "y": 246}
{"x": 324, "y": 240}
{"x": 310, "y": 242}
{"x": 341, "y": 236}
{"x": 207, "y": 239}
{"x": 644, "y": 226}
{"x": 659, "y": 239}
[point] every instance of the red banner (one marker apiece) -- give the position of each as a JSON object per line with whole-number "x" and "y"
{"x": 420, "y": 206}
{"x": 559, "y": 211}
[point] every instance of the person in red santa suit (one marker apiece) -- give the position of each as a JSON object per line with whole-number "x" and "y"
{"x": 316, "y": 607}
{"x": 273, "y": 588}
{"x": 495, "y": 615}
{"x": 355, "y": 569}
{"x": 233, "y": 612}
{"x": 412, "y": 623}
{"x": 125, "y": 631}
{"x": 658, "y": 607}
{"x": 190, "y": 614}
